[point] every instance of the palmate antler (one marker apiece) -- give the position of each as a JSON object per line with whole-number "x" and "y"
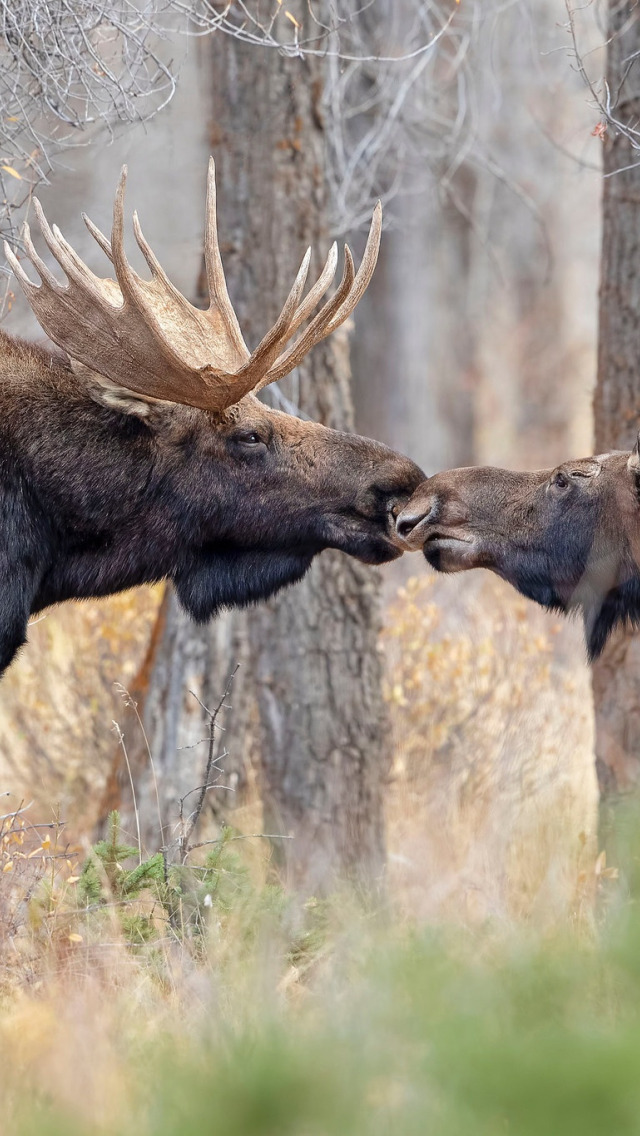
{"x": 145, "y": 336}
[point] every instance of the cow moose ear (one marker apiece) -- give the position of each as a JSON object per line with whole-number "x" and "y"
{"x": 633, "y": 464}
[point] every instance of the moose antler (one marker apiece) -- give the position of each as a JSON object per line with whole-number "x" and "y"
{"x": 145, "y": 336}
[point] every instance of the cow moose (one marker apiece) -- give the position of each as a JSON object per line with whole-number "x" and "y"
{"x": 142, "y": 453}
{"x": 568, "y": 538}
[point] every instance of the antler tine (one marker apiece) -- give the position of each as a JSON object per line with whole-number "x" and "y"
{"x": 136, "y": 292}
{"x": 145, "y": 248}
{"x": 29, "y": 287}
{"x": 317, "y": 292}
{"x": 84, "y": 272}
{"x": 43, "y": 270}
{"x": 275, "y": 343}
{"x": 365, "y": 271}
{"x": 316, "y": 329}
{"x": 74, "y": 268}
{"x": 216, "y": 280}
{"x": 99, "y": 237}
{"x": 267, "y": 350}
{"x": 157, "y": 271}
{"x": 124, "y": 272}
{"x": 336, "y": 310}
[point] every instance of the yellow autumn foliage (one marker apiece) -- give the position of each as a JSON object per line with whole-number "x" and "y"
{"x": 492, "y": 799}
{"x": 59, "y": 699}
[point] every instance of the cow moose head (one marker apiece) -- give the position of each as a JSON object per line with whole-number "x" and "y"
{"x": 568, "y": 538}
{"x": 143, "y": 454}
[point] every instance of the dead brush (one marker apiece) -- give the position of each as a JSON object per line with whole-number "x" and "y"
{"x": 106, "y": 962}
{"x": 68, "y": 909}
{"x": 58, "y": 702}
{"x": 38, "y": 870}
{"x": 492, "y": 802}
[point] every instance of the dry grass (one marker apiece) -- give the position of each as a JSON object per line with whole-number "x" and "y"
{"x": 246, "y": 1015}
{"x": 59, "y": 699}
{"x": 491, "y": 807}
{"x": 493, "y": 797}
{"x": 281, "y": 1022}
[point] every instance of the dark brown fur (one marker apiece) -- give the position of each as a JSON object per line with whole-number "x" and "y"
{"x": 567, "y": 538}
{"x": 100, "y": 491}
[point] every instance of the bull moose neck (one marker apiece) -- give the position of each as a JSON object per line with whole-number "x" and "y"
{"x": 141, "y": 454}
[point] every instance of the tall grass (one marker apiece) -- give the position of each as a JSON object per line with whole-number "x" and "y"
{"x": 495, "y": 991}
{"x": 492, "y": 799}
{"x": 332, "y": 1019}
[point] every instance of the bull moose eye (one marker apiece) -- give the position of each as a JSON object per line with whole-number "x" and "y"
{"x": 248, "y": 438}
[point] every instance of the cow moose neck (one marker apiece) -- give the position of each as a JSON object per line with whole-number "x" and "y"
{"x": 141, "y": 453}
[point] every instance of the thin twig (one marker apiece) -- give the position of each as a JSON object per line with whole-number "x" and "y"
{"x": 120, "y": 737}
{"x": 212, "y": 716}
{"x": 18, "y": 812}
{"x": 129, "y": 701}
{"x": 239, "y": 836}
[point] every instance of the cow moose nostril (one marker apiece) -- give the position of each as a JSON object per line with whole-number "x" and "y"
{"x": 412, "y": 517}
{"x": 407, "y": 524}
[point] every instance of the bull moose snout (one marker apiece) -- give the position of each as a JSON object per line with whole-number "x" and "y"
{"x": 413, "y": 519}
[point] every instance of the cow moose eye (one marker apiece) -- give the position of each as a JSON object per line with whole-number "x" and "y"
{"x": 560, "y": 481}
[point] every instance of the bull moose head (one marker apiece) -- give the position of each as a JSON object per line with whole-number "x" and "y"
{"x": 568, "y": 538}
{"x": 143, "y": 454}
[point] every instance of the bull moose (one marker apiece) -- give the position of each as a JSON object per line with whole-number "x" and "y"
{"x": 568, "y": 538}
{"x": 142, "y": 453}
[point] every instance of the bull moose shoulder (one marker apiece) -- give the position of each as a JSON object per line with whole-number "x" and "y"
{"x": 142, "y": 453}
{"x": 568, "y": 538}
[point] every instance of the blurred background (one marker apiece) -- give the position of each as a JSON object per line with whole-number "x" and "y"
{"x": 441, "y": 726}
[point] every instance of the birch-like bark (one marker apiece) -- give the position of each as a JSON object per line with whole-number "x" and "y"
{"x": 616, "y": 677}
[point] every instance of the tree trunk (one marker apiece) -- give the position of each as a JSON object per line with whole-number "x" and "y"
{"x": 616, "y": 677}
{"x": 414, "y": 367}
{"x": 312, "y": 675}
{"x": 314, "y": 649}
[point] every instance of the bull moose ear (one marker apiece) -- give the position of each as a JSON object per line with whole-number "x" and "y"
{"x": 633, "y": 465}
{"x": 117, "y": 398}
{"x": 108, "y": 394}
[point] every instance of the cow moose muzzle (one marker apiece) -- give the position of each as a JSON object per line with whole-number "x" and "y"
{"x": 436, "y": 523}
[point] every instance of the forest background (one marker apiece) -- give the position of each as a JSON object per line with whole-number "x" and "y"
{"x": 469, "y": 716}
{"x": 398, "y": 905}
